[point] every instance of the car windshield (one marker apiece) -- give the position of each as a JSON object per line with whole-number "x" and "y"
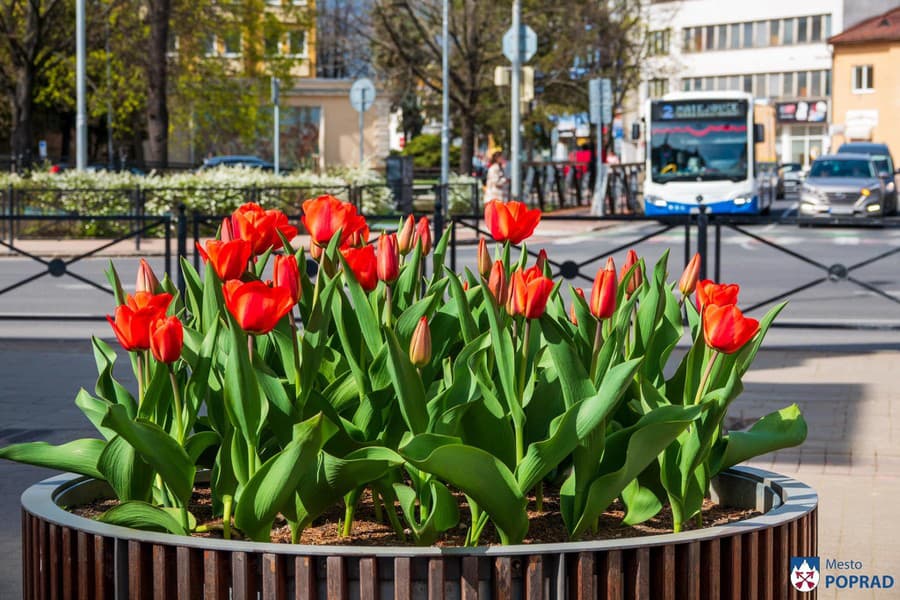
{"x": 882, "y": 163}
{"x": 791, "y": 167}
{"x": 842, "y": 168}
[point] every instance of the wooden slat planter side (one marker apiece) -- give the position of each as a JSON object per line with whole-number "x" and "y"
{"x": 61, "y": 562}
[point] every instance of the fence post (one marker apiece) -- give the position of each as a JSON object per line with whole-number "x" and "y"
{"x": 182, "y": 246}
{"x": 136, "y": 211}
{"x": 10, "y": 194}
{"x": 702, "y": 224}
{"x": 195, "y": 226}
{"x": 439, "y": 200}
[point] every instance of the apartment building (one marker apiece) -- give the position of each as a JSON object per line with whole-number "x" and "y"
{"x": 775, "y": 49}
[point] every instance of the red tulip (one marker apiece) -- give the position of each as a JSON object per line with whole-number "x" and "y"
{"x": 166, "y": 339}
{"x": 688, "y": 282}
{"x": 363, "y": 263}
{"x": 388, "y": 258}
{"x": 541, "y": 261}
{"x": 326, "y": 215}
{"x": 286, "y": 274}
{"x": 572, "y": 316}
{"x": 133, "y": 319}
{"x": 255, "y": 306}
{"x": 423, "y": 235}
{"x": 420, "y": 344}
{"x": 226, "y": 232}
{"x": 510, "y": 221}
{"x": 529, "y": 291}
{"x": 726, "y": 329}
{"x": 637, "y": 276}
{"x": 146, "y": 279}
{"x": 497, "y": 283}
{"x": 710, "y": 292}
{"x": 228, "y": 259}
{"x": 259, "y": 227}
{"x": 406, "y": 237}
{"x": 484, "y": 258}
{"x": 603, "y": 294}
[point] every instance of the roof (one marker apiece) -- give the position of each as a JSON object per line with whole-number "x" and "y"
{"x": 882, "y": 28}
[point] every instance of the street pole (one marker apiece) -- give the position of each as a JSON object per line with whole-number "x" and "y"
{"x": 80, "y": 101}
{"x": 515, "y": 140}
{"x": 109, "y": 118}
{"x": 445, "y": 106}
{"x": 362, "y": 125}
{"x": 276, "y": 137}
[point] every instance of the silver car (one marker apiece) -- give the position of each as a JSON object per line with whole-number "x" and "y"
{"x": 843, "y": 185}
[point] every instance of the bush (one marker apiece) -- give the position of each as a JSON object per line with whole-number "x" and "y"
{"x": 426, "y": 151}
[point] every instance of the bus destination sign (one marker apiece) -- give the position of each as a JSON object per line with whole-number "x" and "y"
{"x": 699, "y": 109}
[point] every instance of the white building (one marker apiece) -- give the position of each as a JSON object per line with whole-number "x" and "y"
{"x": 774, "y": 49}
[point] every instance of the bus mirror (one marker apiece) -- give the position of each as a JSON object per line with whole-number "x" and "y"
{"x": 635, "y": 131}
{"x": 759, "y": 133}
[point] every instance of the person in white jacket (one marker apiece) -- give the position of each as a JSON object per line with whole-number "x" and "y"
{"x": 497, "y": 186}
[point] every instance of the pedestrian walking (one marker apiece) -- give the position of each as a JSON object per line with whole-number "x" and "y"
{"x": 497, "y": 186}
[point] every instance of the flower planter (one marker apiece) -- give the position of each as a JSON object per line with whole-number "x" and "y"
{"x": 66, "y": 556}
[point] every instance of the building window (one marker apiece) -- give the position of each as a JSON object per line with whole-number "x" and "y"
{"x": 787, "y": 85}
{"x": 659, "y": 42}
{"x": 748, "y": 84}
{"x": 685, "y": 85}
{"x": 272, "y": 43}
{"x": 297, "y": 43}
{"x": 774, "y": 85}
{"x": 762, "y": 34}
{"x": 710, "y": 37}
{"x": 863, "y": 78}
{"x": 693, "y": 39}
{"x": 722, "y": 33}
{"x": 815, "y": 83}
{"x": 816, "y": 29}
{"x": 827, "y": 83}
{"x": 231, "y": 44}
{"x": 759, "y": 86}
{"x": 801, "y": 30}
{"x": 774, "y": 36}
{"x": 748, "y": 35}
{"x": 735, "y": 36}
{"x": 827, "y": 26}
{"x": 209, "y": 45}
{"x": 657, "y": 88}
{"x": 787, "y": 36}
{"x": 802, "y": 90}
{"x": 698, "y": 84}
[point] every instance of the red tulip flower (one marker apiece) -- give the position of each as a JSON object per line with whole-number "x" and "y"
{"x": 406, "y": 237}
{"x": 510, "y": 221}
{"x": 259, "y": 227}
{"x": 364, "y": 265}
{"x": 255, "y": 306}
{"x": 388, "y": 258}
{"x": 529, "y": 291}
{"x": 228, "y": 259}
{"x": 226, "y": 231}
{"x": 484, "y": 258}
{"x": 133, "y": 319}
{"x": 420, "y": 344}
{"x": 637, "y": 276}
{"x": 722, "y": 294}
{"x": 688, "y": 282}
{"x": 572, "y": 316}
{"x": 166, "y": 339}
{"x": 423, "y": 235}
{"x": 326, "y": 215}
{"x": 286, "y": 274}
{"x": 603, "y": 294}
{"x": 726, "y": 329}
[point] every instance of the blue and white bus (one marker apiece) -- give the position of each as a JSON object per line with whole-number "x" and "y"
{"x": 702, "y": 144}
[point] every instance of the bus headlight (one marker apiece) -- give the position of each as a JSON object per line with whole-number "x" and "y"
{"x": 741, "y": 200}
{"x": 656, "y": 201}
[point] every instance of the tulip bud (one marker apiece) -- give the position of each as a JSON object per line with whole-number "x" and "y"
{"x": 497, "y": 283}
{"x": 420, "y": 344}
{"x": 226, "y": 232}
{"x": 406, "y": 236}
{"x": 603, "y": 294}
{"x": 688, "y": 282}
{"x": 286, "y": 274}
{"x": 515, "y": 301}
{"x": 484, "y": 258}
{"x": 541, "y": 262}
{"x": 388, "y": 258}
{"x": 423, "y": 235}
{"x": 637, "y": 277}
{"x": 146, "y": 279}
{"x": 572, "y": 315}
{"x": 166, "y": 339}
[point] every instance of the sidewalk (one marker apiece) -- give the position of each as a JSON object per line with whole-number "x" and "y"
{"x": 849, "y": 396}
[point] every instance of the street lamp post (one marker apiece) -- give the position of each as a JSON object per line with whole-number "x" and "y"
{"x": 276, "y": 134}
{"x": 515, "y": 77}
{"x": 445, "y": 106}
{"x": 80, "y": 100}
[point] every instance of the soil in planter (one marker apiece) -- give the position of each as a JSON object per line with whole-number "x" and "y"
{"x": 544, "y": 527}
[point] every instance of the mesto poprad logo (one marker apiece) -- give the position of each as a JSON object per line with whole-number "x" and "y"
{"x": 806, "y": 574}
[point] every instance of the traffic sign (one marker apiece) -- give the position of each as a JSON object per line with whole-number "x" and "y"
{"x": 362, "y": 94}
{"x": 600, "y": 100}
{"x": 527, "y": 43}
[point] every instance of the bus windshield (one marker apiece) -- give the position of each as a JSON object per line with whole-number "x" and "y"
{"x": 698, "y": 150}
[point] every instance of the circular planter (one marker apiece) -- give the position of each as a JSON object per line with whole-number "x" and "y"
{"x": 67, "y": 556}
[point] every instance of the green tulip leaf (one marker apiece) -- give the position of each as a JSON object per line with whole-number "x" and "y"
{"x": 463, "y": 314}
{"x": 272, "y": 487}
{"x": 79, "y": 456}
{"x": 780, "y": 429}
{"x": 245, "y": 407}
{"x": 478, "y": 474}
{"x": 94, "y": 409}
{"x": 125, "y": 470}
{"x": 640, "y": 502}
{"x": 141, "y": 515}
{"x": 107, "y": 387}
{"x": 407, "y": 384}
{"x": 442, "y": 513}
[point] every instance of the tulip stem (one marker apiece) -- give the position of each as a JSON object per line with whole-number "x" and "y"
{"x": 595, "y": 354}
{"x": 519, "y": 427}
{"x": 140, "y": 378}
{"x": 704, "y": 381}
{"x": 296, "y": 349}
{"x": 227, "y": 503}
{"x": 388, "y": 304}
{"x": 179, "y": 424}
{"x": 349, "y": 509}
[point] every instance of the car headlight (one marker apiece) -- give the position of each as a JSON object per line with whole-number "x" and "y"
{"x": 810, "y": 192}
{"x": 890, "y": 186}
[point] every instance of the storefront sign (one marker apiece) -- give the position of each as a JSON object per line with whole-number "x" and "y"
{"x": 802, "y": 111}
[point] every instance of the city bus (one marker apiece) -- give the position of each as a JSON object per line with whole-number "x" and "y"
{"x": 705, "y": 147}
